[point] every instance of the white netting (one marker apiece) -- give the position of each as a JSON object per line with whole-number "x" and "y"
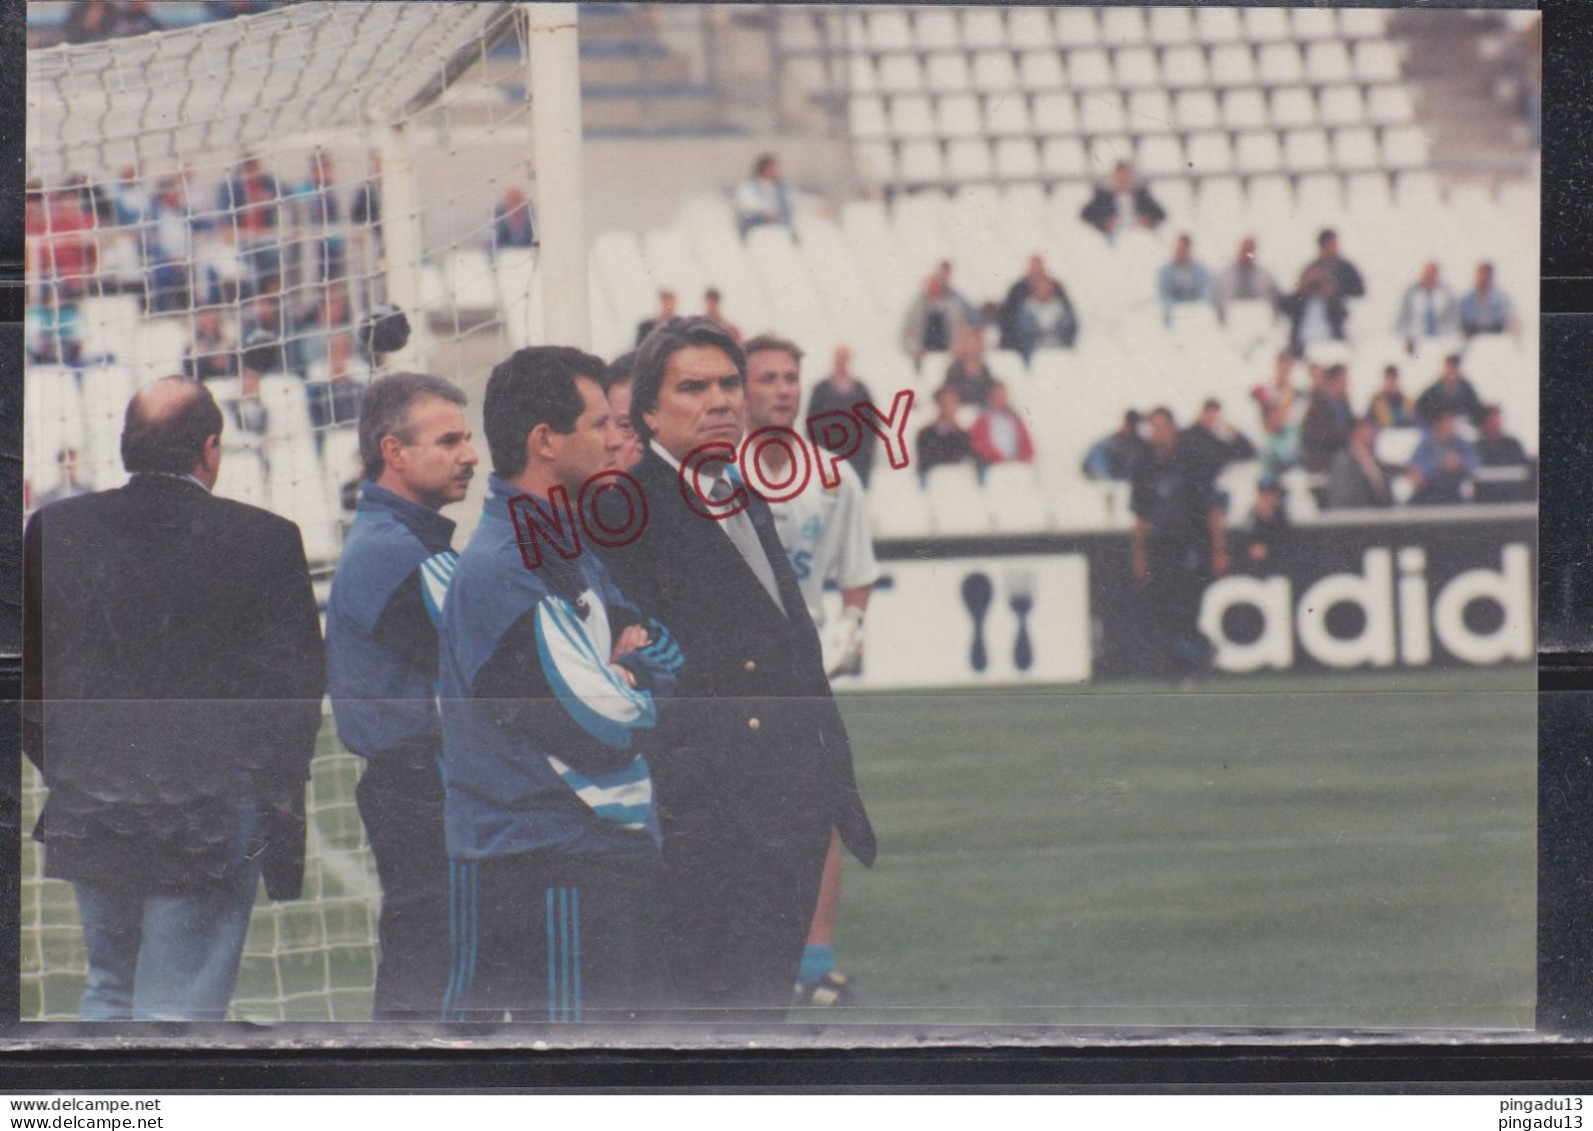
{"x": 230, "y": 201}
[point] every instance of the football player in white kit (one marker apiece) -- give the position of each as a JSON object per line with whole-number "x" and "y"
{"x": 825, "y": 532}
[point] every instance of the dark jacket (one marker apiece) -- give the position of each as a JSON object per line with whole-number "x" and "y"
{"x": 173, "y": 675}
{"x": 1011, "y": 317}
{"x": 745, "y": 661}
{"x": 1103, "y": 206}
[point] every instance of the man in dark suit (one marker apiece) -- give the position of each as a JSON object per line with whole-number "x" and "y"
{"x": 173, "y": 675}
{"x": 1124, "y": 202}
{"x": 753, "y": 766}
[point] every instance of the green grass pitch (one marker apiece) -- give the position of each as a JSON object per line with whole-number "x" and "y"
{"x": 1287, "y": 853}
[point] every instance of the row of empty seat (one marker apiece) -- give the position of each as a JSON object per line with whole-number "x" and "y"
{"x": 1127, "y": 68}
{"x": 935, "y": 29}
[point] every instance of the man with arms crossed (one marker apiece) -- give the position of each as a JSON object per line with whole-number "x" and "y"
{"x": 173, "y": 672}
{"x": 826, "y": 536}
{"x": 381, "y": 638}
{"x": 754, "y": 767}
{"x": 548, "y": 676}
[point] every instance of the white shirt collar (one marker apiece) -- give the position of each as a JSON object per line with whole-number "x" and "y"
{"x": 186, "y": 478}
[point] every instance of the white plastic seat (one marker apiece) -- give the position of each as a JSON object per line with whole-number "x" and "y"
{"x": 1367, "y": 195}
{"x": 968, "y": 159}
{"x": 1077, "y": 27}
{"x": 1233, "y": 64}
{"x": 1122, "y": 27}
{"x": 1376, "y": 61}
{"x": 1416, "y": 192}
{"x": 1396, "y": 446}
{"x": 1137, "y": 69}
{"x": 1269, "y": 200}
{"x": 1007, "y": 116}
{"x": 1306, "y": 151}
{"x": 1176, "y": 193}
{"x": 1210, "y": 154}
{"x": 1107, "y": 150}
{"x": 1160, "y": 155}
{"x": 862, "y": 76}
{"x": 983, "y": 28}
{"x": 1150, "y": 111}
{"x": 1184, "y": 67}
{"x": 1090, "y": 69}
{"x": 911, "y": 116}
{"x": 1258, "y": 152}
{"x": 1244, "y": 109}
{"x": 900, "y": 74}
{"x": 946, "y": 72}
{"x": 1343, "y": 106}
{"x": 1063, "y": 157}
{"x": 885, "y": 29}
{"x": 1363, "y": 23}
{"x": 994, "y": 72}
{"x": 1196, "y": 110}
{"x": 866, "y": 115}
{"x": 1293, "y": 107}
{"x": 1171, "y": 26}
{"x": 1355, "y": 148}
{"x": 1277, "y": 64}
{"x": 1016, "y": 159}
{"x": 1041, "y": 70}
{"x": 1327, "y": 63}
{"x": 1102, "y": 113}
{"x": 1267, "y": 25}
{"x": 1405, "y": 147}
{"x": 1315, "y": 23}
{"x": 1029, "y": 28}
{"x": 1390, "y": 105}
{"x": 1219, "y": 197}
{"x": 920, "y": 161}
{"x": 935, "y": 29}
{"x": 957, "y": 115}
{"x": 1055, "y": 112}
{"x": 1218, "y": 25}
{"x": 1319, "y": 196}
{"x": 875, "y": 161}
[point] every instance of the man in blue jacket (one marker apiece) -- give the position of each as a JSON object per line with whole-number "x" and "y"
{"x": 548, "y": 684}
{"x": 381, "y": 626}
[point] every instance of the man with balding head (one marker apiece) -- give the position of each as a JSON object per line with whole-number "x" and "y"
{"x": 172, "y": 678}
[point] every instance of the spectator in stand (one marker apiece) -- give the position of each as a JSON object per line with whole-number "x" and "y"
{"x": 711, "y": 310}
{"x": 1211, "y": 443}
{"x": 1000, "y": 435}
{"x": 619, "y": 407}
{"x": 1267, "y": 535}
{"x": 1245, "y": 280}
{"x": 942, "y": 440}
{"x": 1487, "y": 310}
{"x": 70, "y": 486}
{"x": 337, "y": 400}
{"x": 1452, "y": 392}
{"x": 70, "y": 255}
{"x": 1443, "y": 464}
{"x": 266, "y": 332}
{"x": 366, "y": 207}
{"x": 1112, "y": 458}
{"x": 320, "y": 214}
{"x": 968, "y": 375}
{"x": 91, "y": 21}
{"x": 839, "y": 392}
{"x": 1427, "y": 310}
{"x": 1318, "y": 307}
{"x": 213, "y": 353}
{"x": 1283, "y": 389}
{"x": 130, "y": 198}
{"x": 511, "y": 221}
{"x": 1122, "y": 203}
{"x": 763, "y": 198}
{"x": 1037, "y": 313}
{"x": 1183, "y": 281}
{"x": 1328, "y": 422}
{"x": 170, "y": 240}
{"x": 1391, "y": 407}
{"x": 666, "y": 311}
{"x": 1280, "y": 444}
{"x": 1499, "y": 451}
{"x": 1356, "y": 478}
{"x": 251, "y": 201}
{"x": 936, "y": 318}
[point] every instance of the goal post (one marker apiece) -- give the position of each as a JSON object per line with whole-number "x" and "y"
{"x": 235, "y": 200}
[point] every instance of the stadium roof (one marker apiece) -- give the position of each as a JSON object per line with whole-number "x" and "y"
{"x": 299, "y": 71}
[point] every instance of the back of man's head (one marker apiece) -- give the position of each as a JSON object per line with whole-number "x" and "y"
{"x": 167, "y": 425}
{"x": 530, "y": 387}
{"x": 385, "y": 411}
{"x": 665, "y": 341}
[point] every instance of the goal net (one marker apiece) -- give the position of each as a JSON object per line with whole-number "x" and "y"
{"x": 237, "y": 201}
